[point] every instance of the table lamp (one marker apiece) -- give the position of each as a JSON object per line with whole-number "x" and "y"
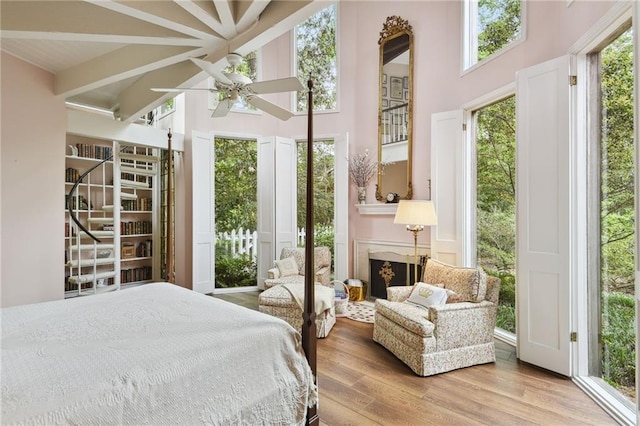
{"x": 416, "y": 214}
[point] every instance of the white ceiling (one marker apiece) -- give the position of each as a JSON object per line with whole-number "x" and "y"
{"x": 108, "y": 54}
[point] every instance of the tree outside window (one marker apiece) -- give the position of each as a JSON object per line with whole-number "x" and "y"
{"x": 315, "y": 43}
{"x": 490, "y": 25}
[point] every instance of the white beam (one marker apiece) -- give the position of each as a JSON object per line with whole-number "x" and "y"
{"x": 120, "y": 64}
{"x": 163, "y": 13}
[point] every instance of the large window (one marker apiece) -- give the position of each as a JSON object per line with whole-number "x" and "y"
{"x": 490, "y": 26}
{"x": 613, "y": 286}
{"x": 315, "y": 45}
{"x": 496, "y": 202}
{"x": 236, "y": 186}
{"x": 323, "y": 192}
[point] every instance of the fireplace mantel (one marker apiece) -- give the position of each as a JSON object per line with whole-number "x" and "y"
{"x": 377, "y": 208}
{"x": 362, "y": 248}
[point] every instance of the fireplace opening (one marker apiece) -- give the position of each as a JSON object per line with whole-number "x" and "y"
{"x": 392, "y": 269}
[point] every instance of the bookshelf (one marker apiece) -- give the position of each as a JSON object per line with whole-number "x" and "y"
{"x": 128, "y": 229}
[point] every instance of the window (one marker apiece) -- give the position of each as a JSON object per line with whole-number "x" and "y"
{"x": 613, "y": 230}
{"x": 490, "y": 26}
{"x": 236, "y": 192}
{"x": 315, "y": 45}
{"x": 496, "y": 202}
{"x": 323, "y": 189}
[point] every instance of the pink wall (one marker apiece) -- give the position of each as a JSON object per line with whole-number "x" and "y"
{"x": 552, "y": 27}
{"x": 32, "y": 149}
{"x": 33, "y": 123}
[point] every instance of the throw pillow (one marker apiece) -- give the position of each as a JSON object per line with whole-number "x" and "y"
{"x": 453, "y": 297}
{"x": 425, "y": 295}
{"x": 287, "y": 266}
{"x": 469, "y": 283}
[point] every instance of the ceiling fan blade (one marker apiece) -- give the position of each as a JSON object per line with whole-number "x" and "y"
{"x": 180, "y": 89}
{"x": 223, "y": 108}
{"x": 290, "y": 84}
{"x": 211, "y": 70}
{"x": 269, "y": 108}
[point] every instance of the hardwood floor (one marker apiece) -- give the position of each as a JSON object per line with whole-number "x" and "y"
{"x": 361, "y": 383}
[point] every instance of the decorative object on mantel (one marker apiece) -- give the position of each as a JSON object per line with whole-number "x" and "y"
{"x": 361, "y": 170}
{"x": 416, "y": 214}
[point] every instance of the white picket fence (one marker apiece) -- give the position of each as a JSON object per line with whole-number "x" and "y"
{"x": 241, "y": 241}
{"x": 238, "y": 242}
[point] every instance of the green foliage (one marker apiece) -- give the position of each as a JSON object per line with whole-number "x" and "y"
{"x": 506, "y": 318}
{"x": 498, "y": 25}
{"x": 618, "y": 339}
{"x": 496, "y": 240}
{"x": 323, "y": 183}
{"x": 239, "y": 271}
{"x": 506, "y": 314}
{"x": 236, "y": 184}
{"x": 617, "y": 215}
{"x": 617, "y": 169}
{"x": 316, "y": 47}
{"x": 496, "y": 188}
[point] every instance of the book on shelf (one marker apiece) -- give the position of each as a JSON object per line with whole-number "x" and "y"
{"x": 71, "y": 175}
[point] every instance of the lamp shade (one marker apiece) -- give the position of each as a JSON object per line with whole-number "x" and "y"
{"x": 416, "y": 212}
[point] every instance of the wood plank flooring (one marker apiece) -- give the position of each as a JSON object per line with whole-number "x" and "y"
{"x": 361, "y": 383}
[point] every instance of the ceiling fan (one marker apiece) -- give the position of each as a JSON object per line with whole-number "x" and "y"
{"x": 233, "y": 85}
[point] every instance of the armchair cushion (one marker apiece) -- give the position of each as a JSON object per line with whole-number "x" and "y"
{"x": 469, "y": 283}
{"x": 287, "y": 266}
{"x": 425, "y": 295}
{"x": 407, "y": 316}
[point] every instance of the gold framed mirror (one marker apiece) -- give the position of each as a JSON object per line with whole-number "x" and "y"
{"x": 395, "y": 111}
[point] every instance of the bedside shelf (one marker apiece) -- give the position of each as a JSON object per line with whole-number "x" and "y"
{"x": 388, "y": 209}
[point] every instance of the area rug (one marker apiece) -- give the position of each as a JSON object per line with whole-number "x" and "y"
{"x": 360, "y": 311}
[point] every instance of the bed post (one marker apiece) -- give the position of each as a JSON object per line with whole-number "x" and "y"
{"x": 169, "y": 211}
{"x": 309, "y": 315}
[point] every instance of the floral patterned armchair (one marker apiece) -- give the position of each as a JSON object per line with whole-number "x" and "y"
{"x": 322, "y": 267}
{"x": 444, "y": 337}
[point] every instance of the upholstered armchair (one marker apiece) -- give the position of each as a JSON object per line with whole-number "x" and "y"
{"x": 286, "y": 272}
{"x": 446, "y": 336}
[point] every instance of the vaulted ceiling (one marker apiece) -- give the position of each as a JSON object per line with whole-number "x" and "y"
{"x": 108, "y": 54}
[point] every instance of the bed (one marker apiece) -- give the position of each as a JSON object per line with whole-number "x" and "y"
{"x": 154, "y": 354}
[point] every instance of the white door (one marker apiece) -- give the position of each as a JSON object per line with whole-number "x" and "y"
{"x": 448, "y": 173}
{"x": 266, "y": 199}
{"x": 277, "y": 203}
{"x": 203, "y": 199}
{"x": 341, "y": 207}
{"x": 286, "y": 197}
{"x": 542, "y": 217}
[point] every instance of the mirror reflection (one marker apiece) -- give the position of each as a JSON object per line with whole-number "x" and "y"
{"x": 394, "y": 111}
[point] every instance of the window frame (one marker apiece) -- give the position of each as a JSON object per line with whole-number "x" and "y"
{"x": 469, "y": 50}
{"x": 294, "y": 66}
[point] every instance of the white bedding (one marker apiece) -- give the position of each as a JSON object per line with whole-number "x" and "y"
{"x": 154, "y": 354}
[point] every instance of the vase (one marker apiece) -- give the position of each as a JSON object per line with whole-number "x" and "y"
{"x": 362, "y": 195}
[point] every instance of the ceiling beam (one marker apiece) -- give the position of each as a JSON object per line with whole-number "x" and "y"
{"x": 100, "y": 38}
{"x": 247, "y": 13}
{"x": 77, "y": 17}
{"x": 138, "y": 99}
{"x": 162, "y": 13}
{"x": 276, "y": 19}
{"x": 206, "y": 12}
{"x": 129, "y": 61}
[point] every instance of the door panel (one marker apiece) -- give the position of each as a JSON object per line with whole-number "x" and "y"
{"x": 204, "y": 237}
{"x": 542, "y": 217}
{"x": 447, "y": 175}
